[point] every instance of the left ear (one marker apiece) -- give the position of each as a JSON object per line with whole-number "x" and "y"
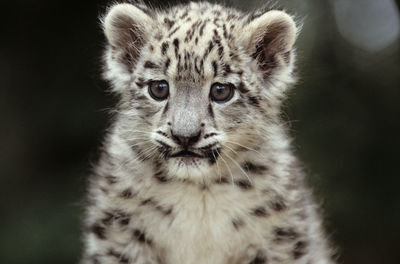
{"x": 269, "y": 39}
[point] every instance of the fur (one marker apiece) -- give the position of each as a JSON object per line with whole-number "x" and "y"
{"x": 245, "y": 201}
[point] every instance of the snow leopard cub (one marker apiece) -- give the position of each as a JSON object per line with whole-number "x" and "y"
{"x": 197, "y": 167}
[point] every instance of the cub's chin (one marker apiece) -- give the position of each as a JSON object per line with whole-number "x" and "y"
{"x": 187, "y": 167}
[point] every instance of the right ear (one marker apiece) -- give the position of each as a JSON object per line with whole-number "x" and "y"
{"x": 126, "y": 28}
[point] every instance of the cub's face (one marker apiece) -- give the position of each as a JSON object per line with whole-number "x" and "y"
{"x": 198, "y": 84}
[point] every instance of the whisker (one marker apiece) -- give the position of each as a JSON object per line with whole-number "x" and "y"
{"x": 246, "y": 147}
{"x": 138, "y": 138}
{"x": 216, "y": 161}
{"x": 147, "y": 153}
{"x": 231, "y": 149}
{"x": 146, "y": 132}
{"x": 227, "y": 166}
{"x": 139, "y": 143}
{"x": 237, "y": 164}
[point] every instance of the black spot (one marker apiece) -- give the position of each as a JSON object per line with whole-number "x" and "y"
{"x": 227, "y": 69}
{"x": 166, "y": 212}
{"x": 285, "y": 234}
{"x": 163, "y": 210}
{"x": 164, "y": 48}
{"x": 277, "y": 204}
{"x": 108, "y": 219}
{"x": 202, "y": 28}
{"x": 111, "y": 179}
{"x": 259, "y": 211}
{"x": 176, "y": 44}
{"x": 254, "y": 101}
{"x": 99, "y": 231}
{"x": 127, "y": 193}
{"x": 121, "y": 258}
{"x": 111, "y": 217}
{"x": 184, "y": 14}
{"x": 244, "y": 184}
{"x": 299, "y": 249}
{"x": 208, "y": 50}
{"x": 237, "y": 223}
{"x": 210, "y": 135}
{"x": 215, "y": 68}
{"x": 210, "y": 111}
{"x": 124, "y": 220}
{"x": 150, "y": 65}
{"x": 242, "y": 88}
{"x": 220, "y": 51}
{"x": 173, "y": 32}
{"x": 141, "y": 237}
{"x": 161, "y": 177}
{"x": 141, "y": 83}
{"x": 147, "y": 201}
{"x": 253, "y": 168}
{"x": 225, "y": 32}
{"x": 169, "y": 22}
{"x": 167, "y": 63}
{"x": 259, "y": 260}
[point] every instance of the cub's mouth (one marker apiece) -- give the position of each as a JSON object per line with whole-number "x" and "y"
{"x": 186, "y": 154}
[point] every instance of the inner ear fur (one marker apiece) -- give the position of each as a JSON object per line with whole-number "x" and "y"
{"x": 269, "y": 39}
{"x": 126, "y": 28}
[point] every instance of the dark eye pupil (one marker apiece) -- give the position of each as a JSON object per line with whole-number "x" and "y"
{"x": 159, "y": 90}
{"x": 220, "y": 89}
{"x": 221, "y": 92}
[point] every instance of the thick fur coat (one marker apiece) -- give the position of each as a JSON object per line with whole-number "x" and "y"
{"x": 197, "y": 167}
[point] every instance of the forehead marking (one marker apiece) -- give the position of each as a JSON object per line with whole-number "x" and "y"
{"x": 169, "y": 22}
{"x": 164, "y": 48}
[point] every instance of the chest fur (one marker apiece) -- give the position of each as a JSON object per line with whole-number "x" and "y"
{"x": 190, "y": 224}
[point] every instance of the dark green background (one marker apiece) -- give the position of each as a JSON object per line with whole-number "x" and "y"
{"x": 343, "y": 114}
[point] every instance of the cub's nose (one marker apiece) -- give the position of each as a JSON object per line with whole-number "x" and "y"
{"x": 185, "y": 141}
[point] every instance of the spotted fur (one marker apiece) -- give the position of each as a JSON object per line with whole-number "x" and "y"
{"x": 238, "y": 196}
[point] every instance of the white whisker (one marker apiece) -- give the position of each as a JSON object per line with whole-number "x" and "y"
{"x": 227, "y": 166}
{"x": 246, "y": 147}
{"x": 216, "y": 161}
{"x": 237, "y": 164}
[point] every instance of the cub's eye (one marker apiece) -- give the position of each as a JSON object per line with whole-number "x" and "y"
{"x": 159, "y": 90}
{"x": 221, "y": 93}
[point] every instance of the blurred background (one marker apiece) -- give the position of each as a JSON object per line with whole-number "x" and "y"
{"x": 344, "y": 115}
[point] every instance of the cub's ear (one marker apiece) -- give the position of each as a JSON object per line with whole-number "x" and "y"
{"x": 126, "y": 28}
{"x": 269, "y": 39}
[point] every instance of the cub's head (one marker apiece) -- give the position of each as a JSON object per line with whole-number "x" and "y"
{"x": 200, "y": 85}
